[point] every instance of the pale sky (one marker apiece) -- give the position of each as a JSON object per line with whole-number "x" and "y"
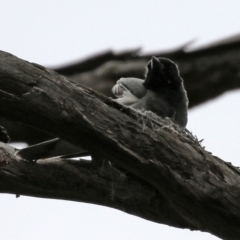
{"x": 53, "y": 33}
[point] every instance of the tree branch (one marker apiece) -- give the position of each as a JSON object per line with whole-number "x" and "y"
{"x": 207, "y": 72}
{"x": 81, "y": 181}
{"x": 193, "y": 189}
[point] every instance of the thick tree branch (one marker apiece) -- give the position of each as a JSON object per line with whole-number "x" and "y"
{"x": 82, "y": 181}
{"x": 197, "y": 190}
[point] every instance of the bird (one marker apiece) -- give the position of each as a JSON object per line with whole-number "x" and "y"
{"x": 161, "y": 92}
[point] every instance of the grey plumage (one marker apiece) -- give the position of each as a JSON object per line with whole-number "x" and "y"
{"x": 129, "y": 90}
{"x": 162, "y": 91}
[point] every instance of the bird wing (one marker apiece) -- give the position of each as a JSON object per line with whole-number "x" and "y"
{"x": 129, "y": 90}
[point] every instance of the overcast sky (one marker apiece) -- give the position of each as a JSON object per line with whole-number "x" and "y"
{"x": 53, "y": 33}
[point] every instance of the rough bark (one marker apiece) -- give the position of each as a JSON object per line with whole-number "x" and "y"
{"x": 207, "y": 73}
{"x": 85, "y": 182}
{"x": 177, "y": 182}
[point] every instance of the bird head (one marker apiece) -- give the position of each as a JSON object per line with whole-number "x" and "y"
{"x": 162, "y": 74}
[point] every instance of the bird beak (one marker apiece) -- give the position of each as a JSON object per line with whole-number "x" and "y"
{"x": 154, "y": 62}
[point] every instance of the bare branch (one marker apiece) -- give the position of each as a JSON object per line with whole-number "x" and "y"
{"x": 207, "y": 72}
{"x": 196, "y": 189}
{"x": 81, "y": 181}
